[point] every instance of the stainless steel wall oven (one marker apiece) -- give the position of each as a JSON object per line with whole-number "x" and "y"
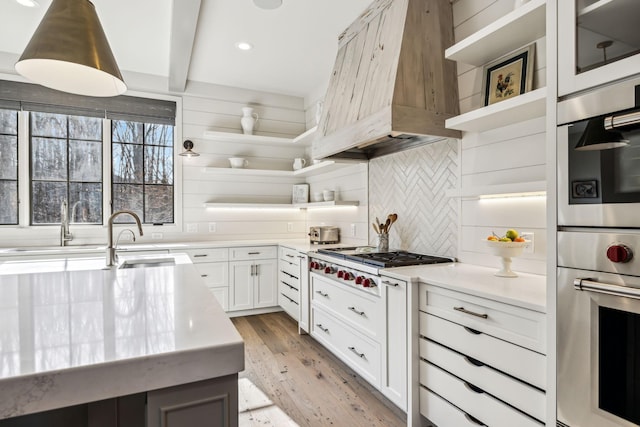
{"x": 598, "y": 288}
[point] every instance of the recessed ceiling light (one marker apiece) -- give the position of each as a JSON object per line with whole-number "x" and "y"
{"x": 244, "y": 46}
{"x": 28, "y": 3}
{"x": 268, "y": 4}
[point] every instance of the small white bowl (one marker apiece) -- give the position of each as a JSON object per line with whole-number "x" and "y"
{"x": 238, "y": 162}
{"x": 328, "y": 195}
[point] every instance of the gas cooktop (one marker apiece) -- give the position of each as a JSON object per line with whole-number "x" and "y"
{"x": 367, "y": 255}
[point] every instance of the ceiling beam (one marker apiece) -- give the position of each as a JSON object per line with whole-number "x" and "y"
{"x": 184, "y": 22}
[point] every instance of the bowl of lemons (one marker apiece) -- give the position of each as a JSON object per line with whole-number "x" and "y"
{"x": 506, "y": 247}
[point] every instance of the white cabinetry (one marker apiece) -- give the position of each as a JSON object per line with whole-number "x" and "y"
{"x": 253, "y": 277}
{"x": 289, "y": 275}
{"x": 213, "y": 266}
{"x": 480, "y": 360}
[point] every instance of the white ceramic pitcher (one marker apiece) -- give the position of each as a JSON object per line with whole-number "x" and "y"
{"x": 249, "y": 120}
{"x": 299, "y": 163}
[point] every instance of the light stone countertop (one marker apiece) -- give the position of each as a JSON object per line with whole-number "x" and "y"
{"x": 84, "y": 334}
{"x": 526, "y": 290}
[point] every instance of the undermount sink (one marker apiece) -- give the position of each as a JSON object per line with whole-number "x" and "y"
{"x": 148, "y": 262}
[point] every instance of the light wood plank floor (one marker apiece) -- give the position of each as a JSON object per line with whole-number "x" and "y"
{"x": 305, "y": 380}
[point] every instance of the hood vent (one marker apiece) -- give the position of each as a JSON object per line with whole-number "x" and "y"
{"x": 391, "y": 88}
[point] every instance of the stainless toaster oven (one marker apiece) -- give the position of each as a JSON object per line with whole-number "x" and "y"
{"x": 324, "y": 234}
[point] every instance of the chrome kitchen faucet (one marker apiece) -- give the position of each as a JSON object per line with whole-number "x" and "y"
{"x": 111, "y": 249}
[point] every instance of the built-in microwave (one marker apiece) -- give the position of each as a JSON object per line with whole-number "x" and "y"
{"x": 599, "y": 162}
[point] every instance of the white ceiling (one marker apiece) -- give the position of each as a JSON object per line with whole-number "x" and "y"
{"x": 294, "y": 45}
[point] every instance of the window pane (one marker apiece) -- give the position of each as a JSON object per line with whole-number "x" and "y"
{"x": 8, "y": 157}
{"x": 8, "y": 202}
{"x": 47, "y": 197}
{"x": 128, "y": 197}
{"x": 46, "y": 124}
{"x": 158, "y": 134}
{"x": 123, "y": 131}
{"x": 89, "y": 128}
{"x": 86, "y": 203}
{"x": 85, "y": 161}
{"x": 49, "y": 159}
{"x": 159, "y": 203}
{"x": 127, "y": 163}
{"x": 9, "y": 122}
{"x": 158, "y": 165}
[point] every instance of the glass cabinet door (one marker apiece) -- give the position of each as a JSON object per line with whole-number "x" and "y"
{"x": 598, "y": 42}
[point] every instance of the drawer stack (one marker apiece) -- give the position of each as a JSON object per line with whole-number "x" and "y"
{"x": 482, "y": 362}
{"x": 350, "y": 323}
{"x": 289, "y": 282}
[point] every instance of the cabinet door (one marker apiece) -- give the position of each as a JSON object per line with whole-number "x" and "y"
{"x": 394, "y": 362}
{"x": 265, "y": 283}
{"x": 241, "y": 285}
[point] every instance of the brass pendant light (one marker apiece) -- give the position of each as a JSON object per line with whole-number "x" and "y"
{"x": 70, "y": 52}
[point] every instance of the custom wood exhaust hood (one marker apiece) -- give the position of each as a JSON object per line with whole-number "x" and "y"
{"x": 391, "y": 87}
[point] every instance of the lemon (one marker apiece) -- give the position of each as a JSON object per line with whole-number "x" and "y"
{"x": 511, "y": 234}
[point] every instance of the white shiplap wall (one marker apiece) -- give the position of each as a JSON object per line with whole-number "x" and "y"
{"x": 510, "y": 154}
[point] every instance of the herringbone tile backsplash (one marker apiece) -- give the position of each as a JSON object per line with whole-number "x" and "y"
{"x": 412, "y": 184}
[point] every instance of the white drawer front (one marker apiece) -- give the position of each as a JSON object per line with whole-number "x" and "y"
{"x": 514, "y": 324}
{"x": 506, "y": 357}
{"x": 288, "y": 290}
{"x": 222, "y": 295}
{"x": 214, "y": 274}
{"x": 289, "y": 305}
{"x": 474, "y": 402}
{"x": 363, "y": 312}
{"x": 206, "y": 255}
{"x": 442, "y": 413}
{"x": 289, "y": 269}
{"x": 524, "y": 397}
{"x": 253, "y": 252}
{"x": 362, "y": 354}
{"x": 290, "y": 255}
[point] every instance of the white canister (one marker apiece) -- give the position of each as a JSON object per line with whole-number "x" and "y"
{"x": 299, "y": 163}
{"x": 329, "y": 195}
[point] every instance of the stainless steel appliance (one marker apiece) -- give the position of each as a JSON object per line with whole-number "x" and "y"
{"x": 600, "y": 187}
{"x": 324, "y": 234}
{"x": 359, "y": 267}
{"x": 598, "y": 274}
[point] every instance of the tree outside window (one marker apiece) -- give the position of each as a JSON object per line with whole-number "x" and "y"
{"x": 8, "y": 167}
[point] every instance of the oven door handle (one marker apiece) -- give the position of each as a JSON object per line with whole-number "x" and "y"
{"x": 587, "y": 284}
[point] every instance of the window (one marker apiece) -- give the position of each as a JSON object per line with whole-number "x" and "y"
{"x": 8, "y": 167}
{"x": 142, "y": 170}
{"x": 66, "y": 165}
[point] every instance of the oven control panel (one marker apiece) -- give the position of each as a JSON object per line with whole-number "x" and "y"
{"x": 366, "y": 281}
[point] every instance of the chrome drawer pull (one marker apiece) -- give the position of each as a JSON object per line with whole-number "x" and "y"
{"x": 253, "y": 253}
{"x": 323, "y": 329}
{"x": 472, "y": 331}
{"x": 474, "y": 420}
{"x": 360, "y": 355}
{"x": 463, "y": 310}
{"x": 204, "y": 275}
{"x": 473, "y": 388}
{"x": 199, "y": 255}
{"x": 301, "y": 256}
{"x": 287, "y": 297}
{"x": 386, "y": 282}
{"x": 361, "y": 313}
{"x": 290, "y": 256}
{"x": 323, "y": 294}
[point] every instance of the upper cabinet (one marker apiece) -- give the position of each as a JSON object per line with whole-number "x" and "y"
{"x": 518, "y": 28}
{"x": 598, "y": 42}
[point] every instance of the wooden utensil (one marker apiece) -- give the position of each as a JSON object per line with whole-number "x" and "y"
{"x": 375, "y": 227}
{"x": 386, "y": 225}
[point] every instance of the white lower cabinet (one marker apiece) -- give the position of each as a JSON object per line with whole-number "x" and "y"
{"x": 481, "y": 361}
{"x": 253, "y": 282}
{"x": 213, "y": 266}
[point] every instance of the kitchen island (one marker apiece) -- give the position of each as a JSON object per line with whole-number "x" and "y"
{"x": 87, "y": 335}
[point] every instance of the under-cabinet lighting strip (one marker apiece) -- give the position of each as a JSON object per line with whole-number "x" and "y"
{"x": 542, "y": 194}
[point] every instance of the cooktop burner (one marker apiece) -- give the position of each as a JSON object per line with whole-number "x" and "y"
{"x": 368, "y": 256}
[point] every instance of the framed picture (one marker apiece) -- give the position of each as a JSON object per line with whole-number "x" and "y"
{"x": 300, "y": 193}
{"x": 508, "y": 76}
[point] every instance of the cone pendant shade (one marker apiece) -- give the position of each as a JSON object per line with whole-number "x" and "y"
{"x": 70, "y": 52}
